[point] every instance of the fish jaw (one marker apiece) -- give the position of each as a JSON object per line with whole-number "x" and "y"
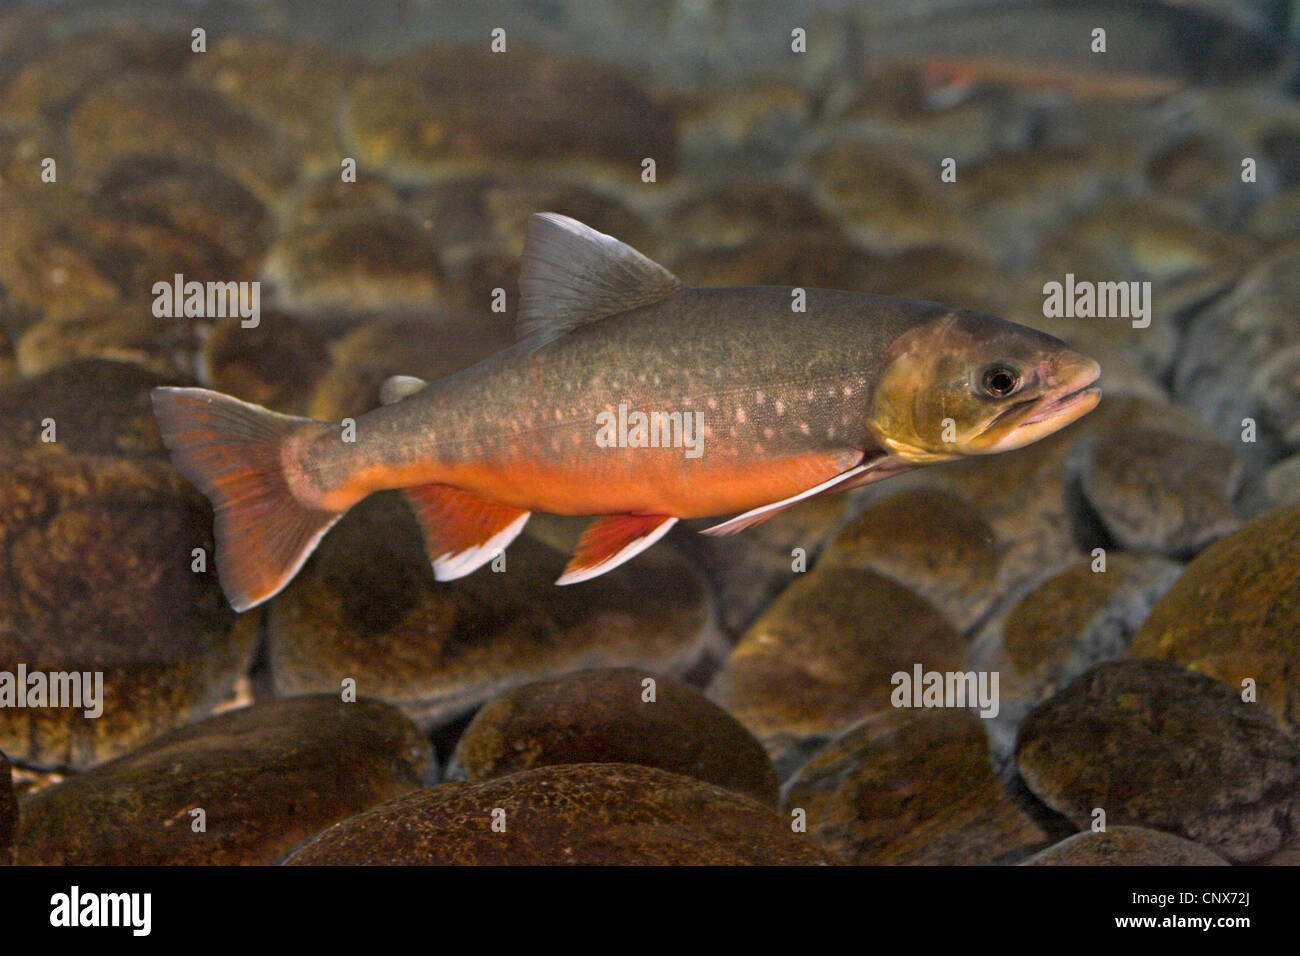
{"x": 1063, "y": 404}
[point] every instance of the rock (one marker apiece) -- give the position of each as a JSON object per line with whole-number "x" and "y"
{"x": 749, "y": 570}
{"x": 1158, "y": 492}
{"x": 275, "y": 364}
{"x": 367, "y": 607}
{"x": 1228, "y": 345}
{"x": 929, "y": 541}
{"x": 8, "y": 812}
{"x": 1064, "y": 625}
{"x": 885, "y": 199}
{"x": 582, "y": 814}
{"x": 1155, "y": 745}
{"x": 294, "y": 88}
{"x": 140, "y": 114}
{"x": 52, "y": 81}
{"x": 193, "y": 200}
{"x": 98, "y": 408}
{"x": 1126, "y": 846}
{"x": 744, "y": 209}
{"x": 125, "y": 332}
{"x": 8, "y": 367}
{"x": 1276, "y": 385}
{"x": 602, "y": 716}
{"x": 1282, "y": 482}
{"x": 266, "y": 778}
{"x": 432, "y": 113}
{"x": 1235, "y": 612}
{"x": 354, "y": 263}
{"x": 754, "y": 125}
{"x": 821, "y": 657}
{"x": 429, "y": 348}
{"x": 911, "y": 787}
{"x": 97, "y": 539}
{"x": 826, "y": 260}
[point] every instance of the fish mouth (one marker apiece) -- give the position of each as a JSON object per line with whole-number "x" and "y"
{"x": 1033, "y": 419}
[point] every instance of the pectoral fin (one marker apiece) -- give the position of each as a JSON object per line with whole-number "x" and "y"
{"x": 857, "y": 476}
{"x": 462, "y": 532}
{"x": 610, "y": 541}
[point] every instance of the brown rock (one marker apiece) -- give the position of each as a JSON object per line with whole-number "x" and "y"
{"x": 275, "y": 364}
{"x": 1157, "y": 746}
{"x": 1235, "y": 613}
{"x": 8, "y": 812}
{"x": 1126, "y": 846}
{"x": 436, "y": 113}
{"x": 367, "y": 607}
{"x": 266, "y": 777}
{"x": 929, "y": 541}
{"x": 602, "y": 716}
{"x": 821, "y": 657}
{"x": 911, "y": 787}
{"x": 582, "y": 814}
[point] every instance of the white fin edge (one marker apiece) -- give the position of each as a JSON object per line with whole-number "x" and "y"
{"x": 449, "y": 566}
{"x": 629, "y": 551}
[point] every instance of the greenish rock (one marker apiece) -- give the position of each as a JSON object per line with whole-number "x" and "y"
{"x": 616, "y": 715}
{"x": 367, "y": 607}
{"x": 1065, "y": 624}
{"x": 1125, "y": 846}
{"x": 265, "y": 777}
{"x": 911, "y": 787}
{"x": 355, "y": 263}
{"x": 436, "y": 113}
{"x": 822, "y": 656}
{"x": 582, "y": 814}
{"x": 1282, "y": 482}
{"x": 141, "y": 114}
{"x": 1235, "y": 612}
{"x": 296, "y": 88}
{"x": 1154, "y": 745}
{"x": 1158, "y": 492}
{"x": 929, "y": 541}
{"x": 125, "y": 332}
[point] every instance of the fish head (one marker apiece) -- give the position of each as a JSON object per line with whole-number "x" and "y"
{"x": 970, "y": 384}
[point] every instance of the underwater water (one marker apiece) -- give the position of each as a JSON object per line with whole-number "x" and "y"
{"x": 1080, "y": 648}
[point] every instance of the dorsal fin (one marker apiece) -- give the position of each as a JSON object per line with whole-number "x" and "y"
{"x": 397, "y": 387}
{"x": 572, "y": 275}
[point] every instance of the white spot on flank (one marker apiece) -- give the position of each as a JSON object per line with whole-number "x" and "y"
{"x": 740, "y": 415}
{"x": 803, "y": 427}
{"x": 758, "y": 398}
{"x": 780, "y": 407}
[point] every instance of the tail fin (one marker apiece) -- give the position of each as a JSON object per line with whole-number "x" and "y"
{"x": 232, "y": 451}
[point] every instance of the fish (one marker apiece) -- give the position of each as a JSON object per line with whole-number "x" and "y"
{"x": 632, "y": 398}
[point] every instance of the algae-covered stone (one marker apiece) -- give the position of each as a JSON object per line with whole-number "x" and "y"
{"x": 367, "y": 607}
{"x": 274, "y": 364}
{"x": 143, "y": 114}
{"x": 125, "y": 332}
{"x": 822, "y": 656}
{"x": 100, "y": 539}
{"x": 265, "y": 778}
{"x": 929, "y": 541}
{"x": 1158, "y": 492}
{"x": 582, "y": 814}
{"x": 911, "y": 787}
{"x": 1154, "y": 745}
{"x": 618, "y": 715}
{"x": 1076, "y": 618}
{"x": 1235, "y": 612}
{"x": 354, "y": 263}
{"x": 437, "y": 113}
{"x": 1126, "y": 846}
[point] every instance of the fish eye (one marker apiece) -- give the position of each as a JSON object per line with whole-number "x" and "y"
{"x": 1001, "y": 380}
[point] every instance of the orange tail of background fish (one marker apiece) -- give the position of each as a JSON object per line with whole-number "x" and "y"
{"x": 233, "y": 452}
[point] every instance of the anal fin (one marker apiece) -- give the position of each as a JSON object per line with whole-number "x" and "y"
{"x": 462, "y": 532}
{"x": 611, "y": 540}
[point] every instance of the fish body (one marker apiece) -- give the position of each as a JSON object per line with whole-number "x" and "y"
{"x": 634, "y": 398}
